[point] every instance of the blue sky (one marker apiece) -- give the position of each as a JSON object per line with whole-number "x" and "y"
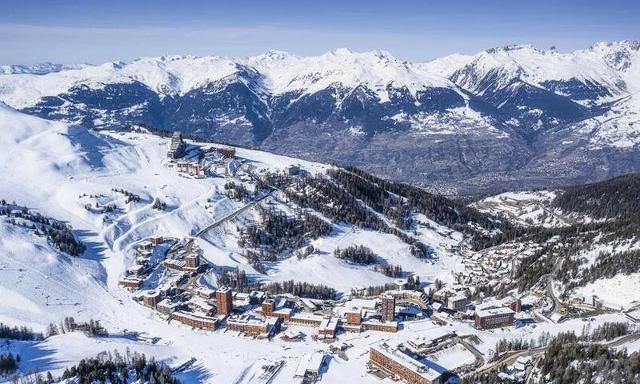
{"x": 99, "y": 31}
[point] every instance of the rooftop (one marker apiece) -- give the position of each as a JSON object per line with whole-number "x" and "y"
{"x": 494, "y": 311}
{"x": 416, "y": 366}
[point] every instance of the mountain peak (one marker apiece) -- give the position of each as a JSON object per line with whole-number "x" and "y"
{"x": 513, "y": 47}
{"x": 273, "y": 55}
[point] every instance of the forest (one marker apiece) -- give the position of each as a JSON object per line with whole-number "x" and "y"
{"x": 279, "y": 232}
{"x": 58, "y": 234}
{"x": 357, "y": 255}
{"x": 115, "y": 368}
{"x": 18, "y": 333}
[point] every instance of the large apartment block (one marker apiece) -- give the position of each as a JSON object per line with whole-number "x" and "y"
{"x": 403, "y": 366}
{"x": 494, "y": 318}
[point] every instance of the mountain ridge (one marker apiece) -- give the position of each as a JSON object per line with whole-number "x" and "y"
{"x": 515, "y": 115}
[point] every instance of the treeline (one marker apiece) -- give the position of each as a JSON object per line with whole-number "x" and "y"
{"x": 556, "y": 243}
{"x": 117, "y": 369}
{"x": 18, "y": 333}
{"x": 69, "y": 324}
{"x": 296, "y": 288}
{"x": 237, "y": 280}
{"x": 279, "y": 232}
{"x": 615, "y": 198}
{"x": 568, "y": 361}
{"x": 357, "y": 254}
{"x": 374, "y": 196}
{"x": 607, "y": 265}
{"x": 129, "y": 196}
{"x": 413, "y": 283}
{"x": 327, "y": 196}
{"x": 300, "y": 289}
{"x": 389, "y": 270}
{"x": 607, "y": 331}
{"x": 8, "y": 363}
{"x": 505, "y": 345}
{"x": 57, "y": 233}
{"x": 237, "y": 192}
{"x": 438, "y": 208}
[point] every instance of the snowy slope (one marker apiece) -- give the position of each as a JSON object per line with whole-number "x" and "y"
{"x": 66, "y": 166}
{"x": 283, "y": 73}
{"x": 54, "y": 168}
{"x": 67, "y": 163}
{"x": 598, "y": 64}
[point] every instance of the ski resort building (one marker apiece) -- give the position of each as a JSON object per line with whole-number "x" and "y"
{"x": 308, "y": 319}
{"x": 224, "y": 301}
{"x": 191, "y": 168}
{"x": 354, "y": 316}
{"x": 494, "y": 318}
{"x": 402, "y": 365}
{"x": 309, "y": 367}
{"x": 457, "y": 303}
{"x": 514, "y": 304}
{"x": 176, "y": 146}
{"x": 252, "y": 325}
{"x": 381, "y": 326}
{"x": 388, "y": 310}
{"x": 268, "y": 307}
{"x": 131, "y": 283}
{"x": 328, "y": 328}
{"x": 151, "y": 298}
{"x": 167, "y": 306}
{"x": 195, "y": 321}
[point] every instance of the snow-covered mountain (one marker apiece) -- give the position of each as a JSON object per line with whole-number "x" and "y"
{"x": 513, "y": 115}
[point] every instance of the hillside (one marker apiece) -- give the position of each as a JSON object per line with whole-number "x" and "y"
{"x": 313, "y": 234}
{"x": 108, "y": 186}
{"x": 594, "y": 232}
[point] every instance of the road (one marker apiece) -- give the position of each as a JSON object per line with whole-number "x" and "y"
{"x": 549, "y": 287}
{"x": 512, "y": 357}
{"x": 232, "y": 215}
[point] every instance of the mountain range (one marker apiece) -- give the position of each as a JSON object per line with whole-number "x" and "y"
{"x": 505, "y": 118}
